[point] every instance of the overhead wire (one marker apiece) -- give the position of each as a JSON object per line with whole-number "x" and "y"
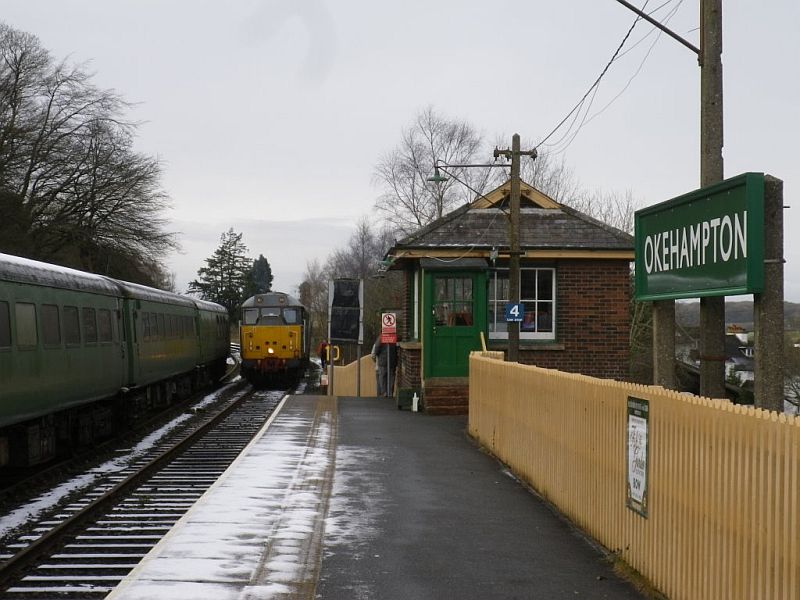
{"x": 641, "y": 64}
{"x": 578, "y": 106}
{"x": 579, "y": 113}
{"x": 558, "y": 147}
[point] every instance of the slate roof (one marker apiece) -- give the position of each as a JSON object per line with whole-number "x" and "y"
{"x": 557, "y": 227}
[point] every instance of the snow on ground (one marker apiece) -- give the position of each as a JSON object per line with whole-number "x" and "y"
{"x": 30, "y": 511}
{"x": 265, "y": 515}
{"x": 352, "y": 518}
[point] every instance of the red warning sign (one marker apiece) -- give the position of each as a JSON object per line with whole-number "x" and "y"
{"x": 388, "y": 328}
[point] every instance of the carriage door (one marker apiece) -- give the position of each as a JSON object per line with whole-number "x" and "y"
{"x": 452, "y": 329}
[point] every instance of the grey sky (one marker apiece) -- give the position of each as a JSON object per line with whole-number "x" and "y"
{"x": 266, "y": 113}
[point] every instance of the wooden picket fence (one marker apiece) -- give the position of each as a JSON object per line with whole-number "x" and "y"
{"x": 345, "y": 377}
{"x": 723, "y": 518}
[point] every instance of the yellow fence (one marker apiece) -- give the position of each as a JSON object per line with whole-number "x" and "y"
{"x": 723, "y": 480}
{"x": 344, "y": 378}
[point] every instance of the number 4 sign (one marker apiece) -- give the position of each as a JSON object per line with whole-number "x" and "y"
{"x": 514, "y": 312}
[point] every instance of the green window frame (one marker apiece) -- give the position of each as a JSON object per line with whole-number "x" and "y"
{"x": 72, "y": 326}
{"x": 27, "y": 334}
{"x": 51, "y": 325}
{"x": 89, "y": 318}
{"x": 5, "y": 325}
{"x": 105, "y": 328}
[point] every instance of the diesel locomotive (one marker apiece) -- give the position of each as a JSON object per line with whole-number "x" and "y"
{"x": 275, "y": 339}
{"x": 79, "y": 351}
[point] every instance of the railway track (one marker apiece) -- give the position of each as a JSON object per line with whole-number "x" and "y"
{"x": 91, "y": 544}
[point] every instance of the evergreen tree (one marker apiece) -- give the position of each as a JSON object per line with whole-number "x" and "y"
{"x": 224, "y": 278}
{"x": 259, "y": 278}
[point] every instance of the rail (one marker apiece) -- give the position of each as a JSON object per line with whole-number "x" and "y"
{"x": 15, "y": 566}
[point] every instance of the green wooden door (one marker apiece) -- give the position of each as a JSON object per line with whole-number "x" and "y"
{"x": 455, "y": 305}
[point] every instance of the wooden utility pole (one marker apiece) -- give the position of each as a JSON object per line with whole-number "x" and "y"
{"x": 513, "y": 234}
{"x": 712, "y": 309}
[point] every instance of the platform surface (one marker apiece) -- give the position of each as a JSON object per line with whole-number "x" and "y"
{"x": 349, "y": 498}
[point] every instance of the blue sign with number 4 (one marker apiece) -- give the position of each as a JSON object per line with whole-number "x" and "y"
{"x": 514, "y": 313}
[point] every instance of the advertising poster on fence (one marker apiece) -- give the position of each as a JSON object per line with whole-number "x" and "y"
{"x": 638, "y": 421}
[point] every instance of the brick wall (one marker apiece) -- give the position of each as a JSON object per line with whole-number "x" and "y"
{"x": 593, "y": 320}
{"x": 409, "y": 361}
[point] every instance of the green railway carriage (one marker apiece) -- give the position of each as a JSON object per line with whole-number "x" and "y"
{"x": 61, "y": 343}
{"x": 213, "y": 326}
{"x": 61, "y": 346}
{"x": 162, "y": 334}
{"x": 78, "y": 350}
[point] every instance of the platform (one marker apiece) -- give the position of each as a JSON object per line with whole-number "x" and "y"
{"x": 347, "y": 498}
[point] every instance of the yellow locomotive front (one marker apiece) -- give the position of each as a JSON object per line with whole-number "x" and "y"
{"x": 274, "y": 339}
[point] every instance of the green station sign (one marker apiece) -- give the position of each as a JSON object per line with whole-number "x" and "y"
{"x": 709, "y": 242}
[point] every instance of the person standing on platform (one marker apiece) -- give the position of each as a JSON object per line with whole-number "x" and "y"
{"x": 385, "y": 356}
{"x": 380, "y": 383}
{"x": 322, "y": 350}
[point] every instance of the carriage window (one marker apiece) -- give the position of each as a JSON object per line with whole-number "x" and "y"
{"x": 26, "y": 324}
{"x": 104, "y": 325}
{"x": 5, "y": 326}
{"x": 162, "y": 330}
{"x": 153, "y": 326}
{"x": 51, "y": 327}
{"x": 89, "y": 326}
{"x": 72, "y": 326}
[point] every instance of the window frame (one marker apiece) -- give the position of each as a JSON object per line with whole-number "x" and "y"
{"x": 22, "y": 341}
{"x": 110, "y": 322}
{"x": 5, "y": 317}
{"x": 90, "y": 335}
{"x": 46, "y": 325}
{"x": 69, "y": 341}
{"x": 495, "y": 306}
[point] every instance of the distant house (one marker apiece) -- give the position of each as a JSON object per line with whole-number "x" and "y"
{"x": 739, "y": 355}
{"x": 574, "y": 282}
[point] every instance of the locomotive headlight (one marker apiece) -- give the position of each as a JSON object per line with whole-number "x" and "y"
{"x": 270, "y": 351}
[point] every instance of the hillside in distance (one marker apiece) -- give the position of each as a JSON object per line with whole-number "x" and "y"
{"x": 739, "y": 312}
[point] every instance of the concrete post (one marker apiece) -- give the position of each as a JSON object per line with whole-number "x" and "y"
{"x": 768, "y": 306}
{"x": 664, "y": 344}
{"x": 712, "y": 310}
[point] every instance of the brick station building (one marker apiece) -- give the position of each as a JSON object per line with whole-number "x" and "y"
{"x": 575, "y": 288}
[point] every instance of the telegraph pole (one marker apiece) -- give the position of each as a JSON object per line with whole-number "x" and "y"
{"x": 513, "y": 234}
{"x": 712, "y": 309}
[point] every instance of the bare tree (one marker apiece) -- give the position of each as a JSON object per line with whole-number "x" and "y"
{"x": 313, "y": 293}
{"x": 408, "y": 200}
{"x": 358, "y": 259}
{"x": 71, "y": 185}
